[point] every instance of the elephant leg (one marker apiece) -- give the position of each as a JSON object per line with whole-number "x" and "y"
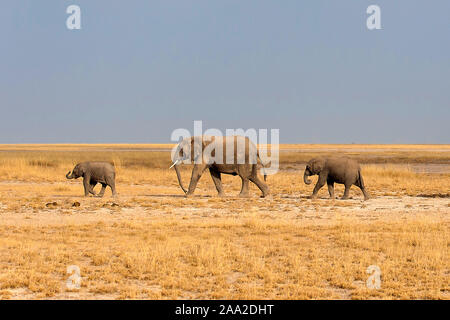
{"x": 112, "y": 184}
{"x": 215, "y": 175}
{"x": 330, "y": 184}
{"x": 320, "y": 183}
{"x": 363, "y": 189}
{"x": 92, "y": 185}
{"x": 346, "y": 192}
{"x": 196, "y": 174}
{"x": 87, "y": 186}
{"x": 244, "y": 190}
{"x": 102, "y": 191}
{"x": 365, "y": 193}
{"x": 261, "y": 185}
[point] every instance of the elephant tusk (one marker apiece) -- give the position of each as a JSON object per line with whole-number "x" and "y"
{"x": 174, "y": 164}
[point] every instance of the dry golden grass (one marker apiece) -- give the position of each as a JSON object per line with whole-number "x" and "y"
{"x": 151, "y": 242}
{"x": 151, "y": 167}
{"x": 249, "y": 258}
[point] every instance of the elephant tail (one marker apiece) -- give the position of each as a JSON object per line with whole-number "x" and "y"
{"x": 262, "y": 164}
{"x": 360, "y": 179}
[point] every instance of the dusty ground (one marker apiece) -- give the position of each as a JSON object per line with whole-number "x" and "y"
{"x": 151, "y": 242}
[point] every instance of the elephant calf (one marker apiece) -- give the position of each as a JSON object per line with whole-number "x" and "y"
{"x": 335, "y": 169}
{"x": 93, "y": 173}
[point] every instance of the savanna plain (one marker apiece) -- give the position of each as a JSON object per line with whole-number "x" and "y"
{"x": 150, "y": 242}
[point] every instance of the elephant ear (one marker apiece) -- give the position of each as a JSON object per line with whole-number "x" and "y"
{"x": 207, "y": 140}
{"x": 81, "y": 169}
{"x": 208, "y": 153}
{"x": 309, "y": 165}
{"x": 182, "y": 151}
{"x": 317, "y": 165}
{"x": 198, "y": 145}
{"x": 196, "y": 148}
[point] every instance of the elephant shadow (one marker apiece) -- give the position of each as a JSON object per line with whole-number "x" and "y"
{"x": 169, "y": 195}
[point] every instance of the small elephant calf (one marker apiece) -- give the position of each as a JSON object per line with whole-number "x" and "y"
{"x": 93, "y": 173}
{"x": 335, "y": 169}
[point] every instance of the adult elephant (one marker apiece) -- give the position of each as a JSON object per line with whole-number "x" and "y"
{"x": 234, "y": 155}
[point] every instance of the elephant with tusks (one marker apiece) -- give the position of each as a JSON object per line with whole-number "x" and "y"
{"x": 233, "y": 155}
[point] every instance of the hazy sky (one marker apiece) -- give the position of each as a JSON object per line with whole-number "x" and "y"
{"x": 139, "y": 69}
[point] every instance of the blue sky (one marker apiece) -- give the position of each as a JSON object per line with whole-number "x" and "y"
{"x": 137, "y": 70}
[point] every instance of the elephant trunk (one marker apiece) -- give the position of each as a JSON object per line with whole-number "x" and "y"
{"x": 305, "y": 177}
{"x": 177, "y": 170}
{"x": 69, "y": 176}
